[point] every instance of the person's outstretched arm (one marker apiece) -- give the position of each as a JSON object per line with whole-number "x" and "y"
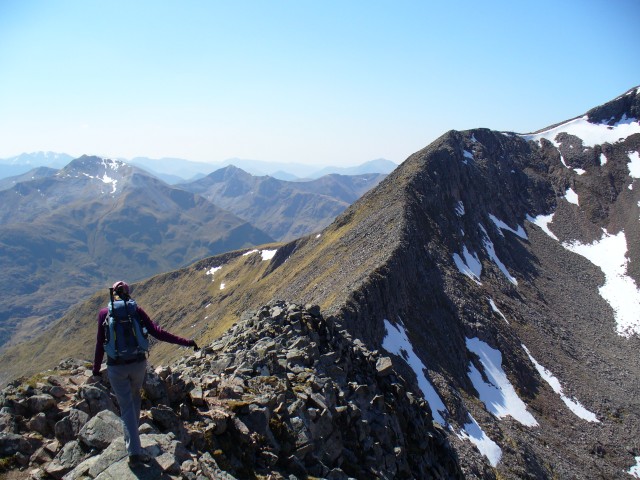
{"x": 156, "y": 331}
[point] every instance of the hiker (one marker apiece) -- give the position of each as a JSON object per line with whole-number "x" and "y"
{"x": 122, "y": 329}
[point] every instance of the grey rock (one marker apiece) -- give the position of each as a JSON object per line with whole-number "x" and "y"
{"x": 168, "y": 421}
{"x": 97, "y": 399}
{"x": 384, "y": 366}
{"x": 57, "y": 392}
{"x": 155, "y": 389}
{"x": 210, "y": 469}
{"x": 39, "y": 423}
{"x": 114, "y": 453}
{"x": 68, "y": 428}
{"x": 101, "y": 430}
{"x": 122, "y": 471}
{"x": 12, "y": 443}
{"x": 66, "y": 460}
{"x": 41, "y": 403}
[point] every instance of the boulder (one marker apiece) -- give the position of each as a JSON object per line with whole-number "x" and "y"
{"x": 68, "y": 428}
{"x": 66, "y": 460}
{"x": 40, "y": 424}
{"x": 101, "y": 430}
{"x": 155, "y": 390}
{"x": 40, "y": 403}
{"x": 97, "y": 399}
{"x": 12, "y": 443}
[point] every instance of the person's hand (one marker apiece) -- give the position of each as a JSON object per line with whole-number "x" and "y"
{"x": 195, "y": 346}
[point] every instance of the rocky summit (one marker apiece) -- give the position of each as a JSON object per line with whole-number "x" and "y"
{"x": 285, "y": 393}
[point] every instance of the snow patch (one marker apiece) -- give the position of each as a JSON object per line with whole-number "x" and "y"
{"x": 268, "y": 254}
{"x": 470, "y": 265}
{"x": 543, "y": 222}
{"x": 468, "y": 156}
{"x": 491, "y": 251}
{"x": 497, "y": 393}
{"x": 634, "y": 164}
{"x": 497, "y": 310}
{"x": 459, "y": 208}
{"x": 603, "y": 159}
{"x": 591, "y": 134}
{"x": 619, "y": 290}
{"x": 503, "y": 226}
{"x": 212, "y": 270}
{"x": 579, "y": 171}
{"x": 396, "y": 341}
{"x": 634, "y": 471}
{"x": 554, "y": 383}
{"x": 474, "y": 433}
{"x": 571, "y": 196}
{"x": 222, "y": 285}
{"x": 112, "y": 181}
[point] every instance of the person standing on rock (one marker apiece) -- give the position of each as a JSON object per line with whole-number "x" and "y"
{"x": 122, "y": 334}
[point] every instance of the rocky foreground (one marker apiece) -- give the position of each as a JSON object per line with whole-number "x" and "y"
{"x": 284, "y": 394}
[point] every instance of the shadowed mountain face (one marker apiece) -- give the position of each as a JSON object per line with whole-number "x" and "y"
{"x": 285, "y": 210}
{"x": 65, "y": 235}
{"x": 500, "y": 273}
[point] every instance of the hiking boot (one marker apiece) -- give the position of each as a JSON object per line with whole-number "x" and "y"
{"x": 135, "y": 460}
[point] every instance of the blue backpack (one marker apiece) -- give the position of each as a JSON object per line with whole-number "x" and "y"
{"x": 125, "y": 336}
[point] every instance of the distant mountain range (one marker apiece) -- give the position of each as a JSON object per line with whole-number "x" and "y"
{"x": 177, "y": 170}
{"x": 25, "y": 162}
{"x": 284, "y": 210}
{"x": 97, "y": 219}
{"x": 65, "y": 235}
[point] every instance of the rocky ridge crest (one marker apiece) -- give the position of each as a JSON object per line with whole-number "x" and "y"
{"x": 285, "y": 393}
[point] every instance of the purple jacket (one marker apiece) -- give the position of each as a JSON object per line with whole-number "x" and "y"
{"x": 153, "y": 328}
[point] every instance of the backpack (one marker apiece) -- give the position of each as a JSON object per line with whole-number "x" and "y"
{"x": 125, "y": 336}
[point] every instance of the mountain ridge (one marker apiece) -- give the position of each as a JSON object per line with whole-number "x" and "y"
{"x": 284, "y": 209}
{"x": 472, "y": 266}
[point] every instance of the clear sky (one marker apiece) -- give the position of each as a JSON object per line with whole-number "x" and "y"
{"x": 327, "y": 82}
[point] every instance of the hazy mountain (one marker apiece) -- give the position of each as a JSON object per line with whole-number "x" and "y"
{"x": 173, "y": 170}
{"x": 285, "y": 210}
{"x": 33, "y": 174}
{"x": 299, "y": 171}
{"x": 23, "y": 163}
{"x": 499, "y": 272}
{"x": 380, "y": 165}
{"x": 177, "y": 170}
{"x": 65, "y": 235}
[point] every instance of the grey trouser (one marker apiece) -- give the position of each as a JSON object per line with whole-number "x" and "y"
{"x": 126, "y": 381}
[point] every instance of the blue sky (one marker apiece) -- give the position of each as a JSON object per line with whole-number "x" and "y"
{"x": 323, "y": 82}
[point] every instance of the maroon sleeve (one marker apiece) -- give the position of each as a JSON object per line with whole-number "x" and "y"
{"x": 156, "y": 331}
{"x": 99, "y": 353}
